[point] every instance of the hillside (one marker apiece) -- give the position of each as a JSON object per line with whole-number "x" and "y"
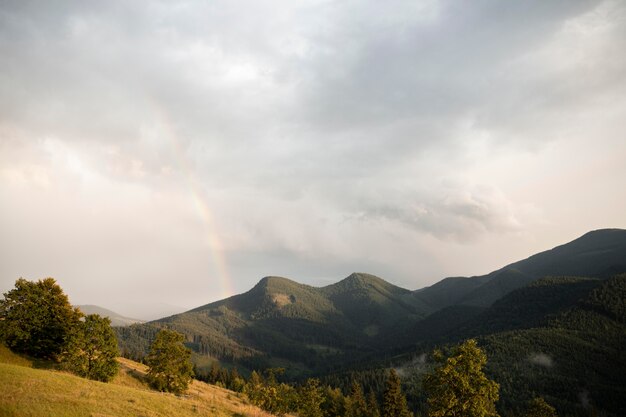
{"x": 538, "y": 329}
{"x": 117, "y": 320}
{"x": 599, "y": 253}
{"x": 281, "y": 322}
{"x": 26, "y": 392}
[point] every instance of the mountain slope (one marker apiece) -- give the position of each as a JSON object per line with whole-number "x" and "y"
{"x": 596, "y": 254}
{"x": 116, "y": 319}
{"x": 281, "y": 322}
{"x": 361, "y": 319}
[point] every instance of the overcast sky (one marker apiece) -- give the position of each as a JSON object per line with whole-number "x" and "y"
{"x": 159, "y": 154}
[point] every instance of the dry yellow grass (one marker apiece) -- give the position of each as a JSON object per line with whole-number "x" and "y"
{"x": 29, "y": 392}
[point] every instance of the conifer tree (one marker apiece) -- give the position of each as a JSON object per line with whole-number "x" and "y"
{"x": 334, "y": 403}
{"x": 538, "y": 407}
{"x": 373, "y": 409}
{"x": 169, "y": 362}
{"x": 394, "y": 401}
{"x": 310, "y": 399}
{"x": 457, "y": 387}
{"x": 356, "y": 402}
{"x": 92, "y": 350}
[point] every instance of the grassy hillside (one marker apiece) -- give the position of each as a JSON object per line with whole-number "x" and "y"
{"x": 27, "y": 391}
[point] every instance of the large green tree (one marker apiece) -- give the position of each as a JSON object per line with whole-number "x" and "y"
{"x": 92, "y": 350}
{"x": 394, "y": 401}
{"x": 169, "y": 362}
{"x": 457, "y": 387}
{"x": 37, "y": 318}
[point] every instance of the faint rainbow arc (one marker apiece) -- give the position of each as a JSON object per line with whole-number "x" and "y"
{"x": 216, "y": 248}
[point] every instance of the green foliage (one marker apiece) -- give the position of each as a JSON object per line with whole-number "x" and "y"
{"x": 373, "y": 410}
{"x": 458, "y": 387}
{"x": 394, "y": 401}
{"x": 269, "y": 395}
{"x": 37, "y": 318}
{"x": 356, "y": 406}
{"x": 538, "y": 407}
{"x": 92, "y": 349}
{"x": 310, "y": 399}
{"x": 334, "y": 404}
{"x": 169, "y": 362}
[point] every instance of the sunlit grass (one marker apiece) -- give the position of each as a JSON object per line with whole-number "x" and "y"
{"x": 26, "y": 392}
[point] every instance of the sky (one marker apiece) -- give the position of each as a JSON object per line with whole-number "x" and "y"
{"x": 156, "y": 156}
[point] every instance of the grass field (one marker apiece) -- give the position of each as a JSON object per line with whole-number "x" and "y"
{"x": 29, "y": 392}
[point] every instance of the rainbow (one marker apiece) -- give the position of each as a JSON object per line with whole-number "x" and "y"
{"x": 201, "y": 204}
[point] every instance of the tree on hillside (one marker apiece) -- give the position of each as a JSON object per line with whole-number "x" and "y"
{"x": 92, "y": 350}
{"x": 169, "y": 362}
{"x": 538, "y": 407}
{"x": 334, "y": 403}
{"x": 394, "y": 401}
{"x": 458, "y": 387}
{"x": 37, "y": 318}
{"x": 356, "y": 406}
{"x": 372, "y": 405}
{"x": 310, "y": 399}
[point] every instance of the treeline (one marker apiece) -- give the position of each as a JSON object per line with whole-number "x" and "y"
{"x": 311, "y": 398}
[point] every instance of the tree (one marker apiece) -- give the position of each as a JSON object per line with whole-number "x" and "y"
{"x": 372, "y": 405}
{"x": 458, "y": 387}
{"x": 37, "y": 318}
{"x": 334, "y": 403}
{"x": 310, "y": 399}
{"x": 92, "y": 350}
{"x": 169, "y": 362}
{"x": 356, "y": 403}
{"x": 394, "y": 401}
{"x": 538, "y": 407}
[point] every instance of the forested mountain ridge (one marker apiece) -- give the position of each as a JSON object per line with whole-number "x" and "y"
{"x": 599, "y": 253}
{"x": 363, "y": 322}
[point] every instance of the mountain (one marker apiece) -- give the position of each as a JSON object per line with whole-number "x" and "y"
{"x": 553, "y": 324}
{"x": 116, "y": 319}
{"x": 282, "y": 322}
{"x": 598, "y": 253}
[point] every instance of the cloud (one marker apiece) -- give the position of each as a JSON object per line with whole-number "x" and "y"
{"x": 326, "y": 137}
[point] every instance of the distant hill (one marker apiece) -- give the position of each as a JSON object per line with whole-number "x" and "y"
{"x": 600, "y": 253}
{"x": 116, "y": 319}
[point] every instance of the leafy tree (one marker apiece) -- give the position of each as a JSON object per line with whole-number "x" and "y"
{"x": 169, "y": 362}
{"x": 37, "y": 318}
{"x": 458, "y": 387}
{"x": 92, "y": 350}
{"x": 356, "y": 403}
{"x": 310, "y": 399}
{"x": 538, "y": 407}
{"x": 394, "y": 401}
